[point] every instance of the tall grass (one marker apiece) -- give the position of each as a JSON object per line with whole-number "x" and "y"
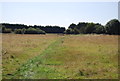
{"x": 61, "y": 57}
{"x": 17, "y": 49}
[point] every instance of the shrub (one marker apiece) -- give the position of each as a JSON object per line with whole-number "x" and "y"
{"x": 34, "y": 31}
{"x": 6, "y": 30}
{"x": 18, "y": 31}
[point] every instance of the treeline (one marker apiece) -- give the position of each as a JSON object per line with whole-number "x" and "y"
{"x": 112, "y": 27}
{"x": 24, "y": 29}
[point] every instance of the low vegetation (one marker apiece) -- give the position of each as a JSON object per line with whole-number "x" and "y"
{"x": 60, "y": 56}
{"x": 17, "y": 49}
{"x": 29, "y": 31}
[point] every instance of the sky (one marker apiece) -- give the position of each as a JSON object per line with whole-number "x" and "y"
{"x": 57, "y": 13}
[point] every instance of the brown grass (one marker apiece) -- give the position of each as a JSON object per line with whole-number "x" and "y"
{"x": 90, "y": 56}
{"x": 17, "y": 49}
{"x": 82, "y": 56}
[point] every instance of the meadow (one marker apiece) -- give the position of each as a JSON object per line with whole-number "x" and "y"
{"x": 53, "y": 56}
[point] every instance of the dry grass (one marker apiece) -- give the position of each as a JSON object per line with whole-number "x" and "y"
{"x": 90, "y": 56}
{"x": 17, "y": 49}
{"x": 71, "y": 56}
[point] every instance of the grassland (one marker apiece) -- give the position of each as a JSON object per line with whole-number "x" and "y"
{"x": 60, "y": 57}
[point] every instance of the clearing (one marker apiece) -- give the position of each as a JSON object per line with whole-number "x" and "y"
{"x": 60, "y": 56}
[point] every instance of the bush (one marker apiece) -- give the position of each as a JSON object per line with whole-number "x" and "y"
{"x": 29, "y": 31}
{"x": 34, "y": 31}
{"x": 6, "y": 30}
{"x": 19, "y": 31}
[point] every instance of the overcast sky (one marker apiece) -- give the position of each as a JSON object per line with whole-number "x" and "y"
{"x": 58, "y": 13}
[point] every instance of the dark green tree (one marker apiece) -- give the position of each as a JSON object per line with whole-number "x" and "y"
{"x": 99, "y": 29}
{"x": 0, "y": 28}
{"x": 72, "y": 26}
{"x": 69, "y": 31}
{"x": 47, "y": 29}
{"x": 81, "y": 27}
{"x": 76, "y": 31}
{"x": 113, "y": 27}
{"x": 90, "y": 28}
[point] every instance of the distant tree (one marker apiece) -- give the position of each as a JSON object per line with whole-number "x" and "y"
{"x": 72, "y": 26}
{"x": 85, "y": 28}
{"x": 0, "y": 28}
{"x": 76, "y": 31}
{"x": 69, "y": 31}
{"x": 47, "y": 29}
{"x": 14, "y": 26}
{"x": 99, "y": 29}
{"x": 113, "y": 27}
{"x": 81, "y": 27}
{"x": 90, "y": 28}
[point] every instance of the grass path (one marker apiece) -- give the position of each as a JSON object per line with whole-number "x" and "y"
{"x": 41, "y": 67}
{"x": 18, "y": 49}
